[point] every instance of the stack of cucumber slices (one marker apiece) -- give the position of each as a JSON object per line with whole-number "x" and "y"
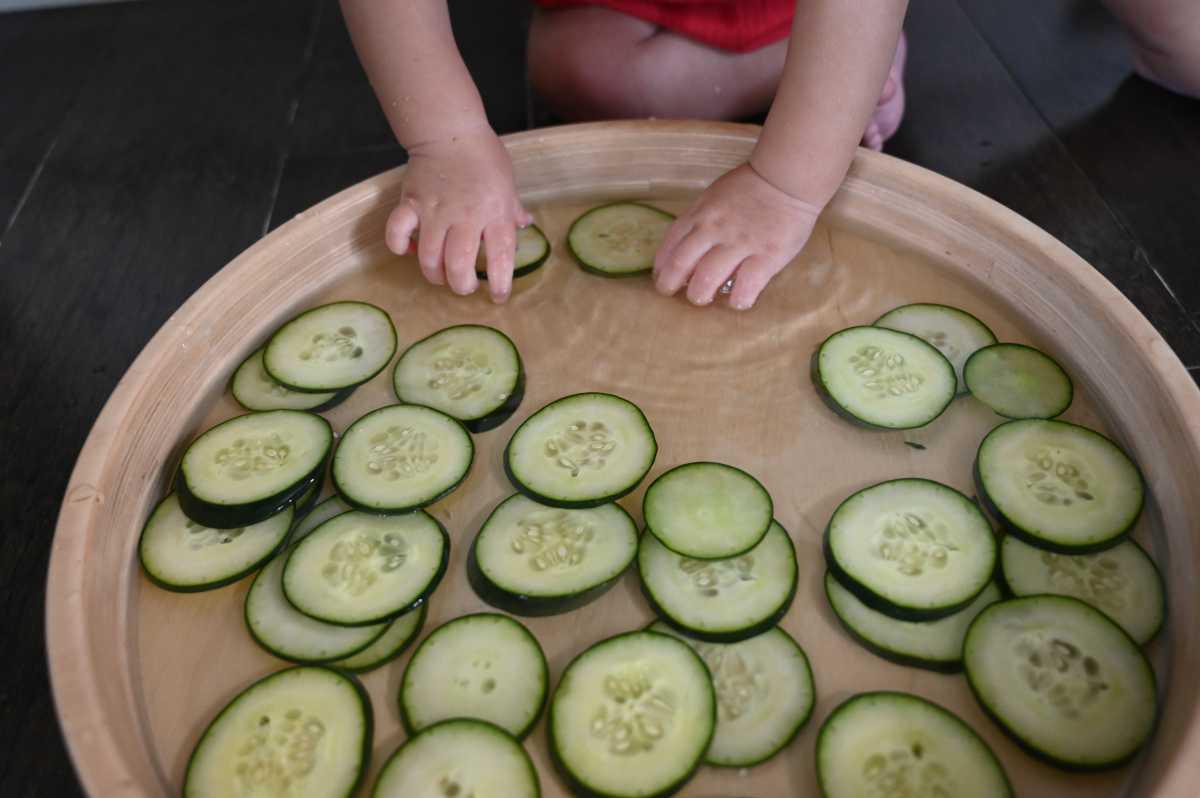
{"x": 1045, "y": 620}
{"x": 1050, "y": 649}
{"x": 903, "y": 371}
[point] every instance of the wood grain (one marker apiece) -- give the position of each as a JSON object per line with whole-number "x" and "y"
{"x": 138, "y": 672}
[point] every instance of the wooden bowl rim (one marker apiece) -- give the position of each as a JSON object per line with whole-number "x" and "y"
{"x": 106, "y": 768}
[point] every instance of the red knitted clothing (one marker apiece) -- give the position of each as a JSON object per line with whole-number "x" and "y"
{"x": 736, "y": 25}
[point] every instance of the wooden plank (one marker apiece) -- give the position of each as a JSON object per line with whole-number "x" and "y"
{"x": 38, "y": 91}
{"x": 1138, "y": 144}
{"x": 162, "y": 172}
{"x": 308, "y": 179}
{"x": 337, "y": 109}
{"x": 968, "y": 120}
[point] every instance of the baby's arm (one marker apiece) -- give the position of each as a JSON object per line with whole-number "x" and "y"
{"x": 754, "y": 219}
{"x": 458, "y": 186}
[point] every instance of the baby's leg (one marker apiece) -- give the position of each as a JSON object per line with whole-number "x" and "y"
{"x": 594, "y": 63}
{"x": 1166, "y": 40}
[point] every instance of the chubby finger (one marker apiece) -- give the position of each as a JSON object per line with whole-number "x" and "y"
{"x": 462, "y": 248}
{"x": 500, "y": 248}
{"x": 524, "y": 217}
{"x": 752, "y": 277}
{"x": 431, "y": 240}
{"x": 677, "y": 269}
{"x": 675, "y": 233}
{"x": 401, "y": 224}
{"x": 712, "y": 270}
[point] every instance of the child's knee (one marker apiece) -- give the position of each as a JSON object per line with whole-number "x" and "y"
{"x": 582, "y": 72}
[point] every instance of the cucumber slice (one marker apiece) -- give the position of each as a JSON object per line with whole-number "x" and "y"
{"x": 331, "y": 347}
{"x": 308, "y": 499}
{"x": 399, "y": 635}
{"x": 721, "y": 600}
{"x": 618, "y": 240}
{"x": 530, "y": 559}
{"x": 914, "y": 549}
{"x": 632, "y": 716}
{"x": 248, "y": 468}
{"x": 956, "y": 333}
{"x": 289, "y": 634}
{"x": 933, "y": 645}
{"x": 401, "y": 458}
{"x": 1063, "y": 680}
{"x": 1059, "y": 486}
{"x": 178, "y": 554}
{"x": 886, "y": 743}
{"x": 485, "y": 666}
{"x": 533, "y": 248}
{"x": 469, "y": 372}
{"x": 1122, "y": 582}
{"x": 358, "y": 569}
{"x": 253, "y": 389}
{"x": 319, "y": 515}
{"x": 882, "y": 378}
{"x": 581, "y": 451}
{"x": 459, "y": 757}
{"x": 707, "y": 510}
{"x": 301, "y": 731}
{"x": 1018, "y": 381}
{"x": 765, "y": 694}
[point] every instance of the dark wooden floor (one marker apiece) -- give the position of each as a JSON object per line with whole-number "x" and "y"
{"x": 143, "y": 145}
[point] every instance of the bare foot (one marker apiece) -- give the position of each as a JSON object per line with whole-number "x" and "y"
{"x": 890, "y": 108}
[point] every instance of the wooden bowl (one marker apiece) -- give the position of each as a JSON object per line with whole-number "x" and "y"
{"x": 138, "y": 672}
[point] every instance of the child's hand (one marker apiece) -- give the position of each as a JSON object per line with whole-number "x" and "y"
{"x": 740, "y": 224}
{"x": 456, "y": 192}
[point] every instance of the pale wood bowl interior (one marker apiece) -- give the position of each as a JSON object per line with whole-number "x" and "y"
{"x": 138, "y": 672}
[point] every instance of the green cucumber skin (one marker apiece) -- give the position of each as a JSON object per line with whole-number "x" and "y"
{"x": 962, "y": 389}
{"x": 280, "y": 655}
{"x": 406, "y": 722}
{"x": 585, "y": 504}
{"x": 600, "y": 272}
{"x": 530, "y": 606}
{"x": 840, "y": 707}
{"x": 221, "y": 516}
{"x": 1062, "y": 764}
{"x": 405, "y": 646}
{"x": 227, "y": 517}
{"x": 1038, "y": 542}
{"x": 434, "y": 581}
{"x": 800, "y": 724}
{"x": 505, "y": 411}
{"x": 229, "y": 580}
{"x": 366, "y": 508}
{"x": 528, "y": 268}
{"x": 496, "y": 729}
{"x": 935, "y": 665}
{"x": 1163, "y": 609}
{"x": 880, "y": 604}
{"x": 831, "y": 403}
{"x": 1066, "y": 376}
{"x": 549, "y": 501}
{"x": 584, "y": 791}
{"x": 767, "y": 493}
{"x": 298, "y": 389}
{"x": 734, "y": 635}
{"x": 368, "y": 717}
{"x": 500, "y": 414}
{"x": 303, "y": 505}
